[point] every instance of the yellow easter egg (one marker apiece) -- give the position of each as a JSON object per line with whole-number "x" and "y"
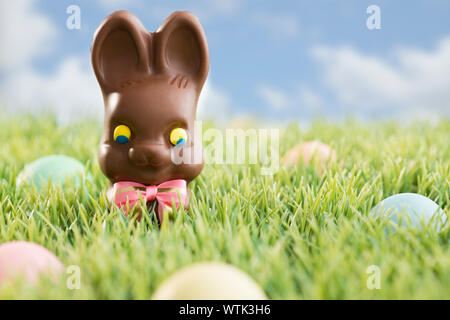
{"x": 209, "y": 281}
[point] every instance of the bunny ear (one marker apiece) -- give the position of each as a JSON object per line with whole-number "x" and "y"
{"x": 120, "y": 52}
{"x": 181, "y": 48}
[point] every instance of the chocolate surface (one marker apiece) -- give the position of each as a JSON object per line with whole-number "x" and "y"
{"x": 151, "y": 82}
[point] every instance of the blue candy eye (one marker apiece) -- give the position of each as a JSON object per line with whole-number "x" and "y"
{"x": 122, "y": 134}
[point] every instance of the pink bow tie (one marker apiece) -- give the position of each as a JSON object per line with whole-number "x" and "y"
{"x": 164, "y": 194}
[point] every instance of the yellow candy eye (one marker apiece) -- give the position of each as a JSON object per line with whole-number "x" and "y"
{"x": 178, "y": 137}
{"x": 122, "y": 134}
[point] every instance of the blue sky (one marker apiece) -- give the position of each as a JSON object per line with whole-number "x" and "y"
{"x": 279, "y": 60}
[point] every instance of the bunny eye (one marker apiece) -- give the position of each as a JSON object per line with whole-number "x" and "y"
{"x": 122, "y": 134}
{"x": 178, "y": 137}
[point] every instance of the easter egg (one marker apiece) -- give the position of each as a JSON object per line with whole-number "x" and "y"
{"x": 59, "y": 169}
{"x": 308, "y": 151}
{"x": 27, "y": 260}
{"x": 209, "y": 281}
{"x": 404, "y": 207}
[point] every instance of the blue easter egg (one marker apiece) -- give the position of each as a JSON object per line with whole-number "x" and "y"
{"x": 58, "y": 169}
{"x": 405, "y": 208}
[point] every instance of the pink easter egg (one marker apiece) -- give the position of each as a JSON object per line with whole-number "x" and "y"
{"x": 308, "y": 151}
{"x": 28, "y": 260}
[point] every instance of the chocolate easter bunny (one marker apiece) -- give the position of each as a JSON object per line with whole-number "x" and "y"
{"x": 151, "y": 82}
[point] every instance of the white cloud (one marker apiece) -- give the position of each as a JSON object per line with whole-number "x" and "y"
{"x": 70, "y": 92}
{"x": 213, "y": 104}
{"x": 277, "y": 25}
{"x": 303, "y": 98}
{"x": 24, "y": 33}
{"x": 417, "y": 83}
{"x": 275, "y": 98}
{"x": 309, "y": 99}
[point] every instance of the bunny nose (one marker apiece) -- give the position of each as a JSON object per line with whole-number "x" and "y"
{"x": 154, "y": 155}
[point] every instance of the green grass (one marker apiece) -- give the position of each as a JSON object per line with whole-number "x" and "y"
{"x": 300, "y": 236}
